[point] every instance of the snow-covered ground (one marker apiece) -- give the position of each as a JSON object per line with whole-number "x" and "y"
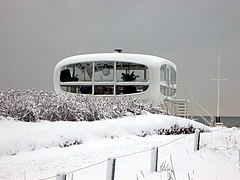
{"x": 30, "y": 151}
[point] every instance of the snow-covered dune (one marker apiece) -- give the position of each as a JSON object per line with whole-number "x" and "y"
{"x": 17, "y": 136}
{"x": 31, "y": 150}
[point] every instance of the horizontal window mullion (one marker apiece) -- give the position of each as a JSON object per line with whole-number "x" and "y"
{"x": 75, "y": 83}
{"x": 104, "y": 83}
{"x": 132, "y": 83}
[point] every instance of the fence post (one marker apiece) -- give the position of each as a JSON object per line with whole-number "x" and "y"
{"x": 111, "y": 168}
{"x": 61, "y": 176}
{"x": 239, "y": 157}
{"x": 197, "y": 140}
{"x": 154, "y": 159}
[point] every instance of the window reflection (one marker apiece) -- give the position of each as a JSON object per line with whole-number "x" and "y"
{"x": 167, "y": 80}
{"x": 132, "y": 72}
{"x": 173, "y": 76}
{"x": 77, "y": 89}
{"x": 103, "y": 71}
{"x": 103, "y": 89}
{"x": 77, "y": 72}
{"x": 130, "y": 89}
{"x": 105, "y": 77}
{"x": 163, "y": 73}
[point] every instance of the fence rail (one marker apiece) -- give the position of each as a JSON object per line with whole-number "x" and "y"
{"x": 111, "y": 162}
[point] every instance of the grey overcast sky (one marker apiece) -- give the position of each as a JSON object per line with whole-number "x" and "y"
{"x": 36, "y": 34}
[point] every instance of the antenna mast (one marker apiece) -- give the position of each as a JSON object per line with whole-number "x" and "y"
{"x": 218, "y": 88}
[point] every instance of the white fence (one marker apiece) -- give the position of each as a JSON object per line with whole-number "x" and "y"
{"x": 111, "y": 162}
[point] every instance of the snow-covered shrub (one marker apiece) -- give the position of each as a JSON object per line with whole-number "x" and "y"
{"x": 70, "y": 142}
{"x": 173, "y": 130}
{"x": 35, "y": 105}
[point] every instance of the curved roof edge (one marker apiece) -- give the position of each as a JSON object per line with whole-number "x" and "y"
{"x": 115, "y": 56}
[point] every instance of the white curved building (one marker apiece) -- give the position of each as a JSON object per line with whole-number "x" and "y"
{"x": 117, "y": 74}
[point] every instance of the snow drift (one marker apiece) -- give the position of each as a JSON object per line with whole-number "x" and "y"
{"x": 19, "y": 136}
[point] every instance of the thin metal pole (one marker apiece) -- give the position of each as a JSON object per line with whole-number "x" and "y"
{"x": 218, "y": 79}
{"x": 239, "y": 157}
{"x": 111, "y": 169}
{"x": 218, "y": 88}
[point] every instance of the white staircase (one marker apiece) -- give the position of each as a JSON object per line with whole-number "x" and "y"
{"x": 183, "y": 108}
{"x": 180, "y": 107}
{"x": 183, "y": 104}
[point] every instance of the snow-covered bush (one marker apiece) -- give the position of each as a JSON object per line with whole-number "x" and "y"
{"x": 173, "y": 130}
{"x": 35, "y": 105}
